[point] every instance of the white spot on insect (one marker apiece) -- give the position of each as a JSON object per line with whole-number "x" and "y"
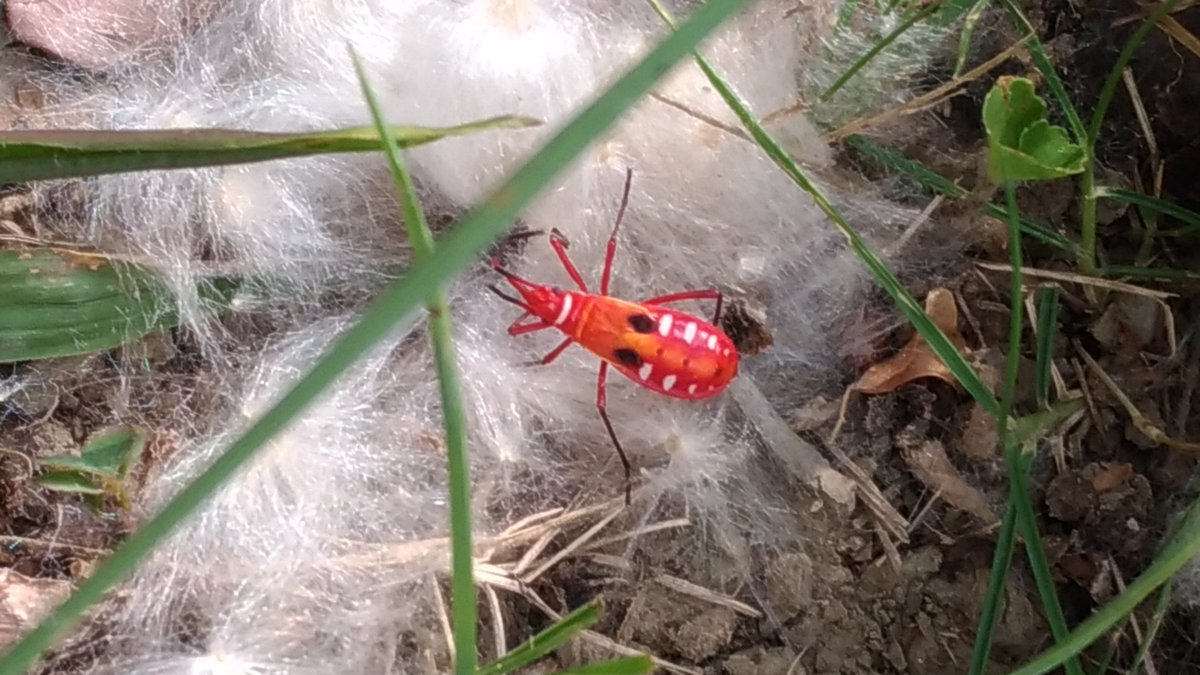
{"x": 644, "y": 372}
{"x": 668, "y": 382}
{"x": 711, "y": 387}
{"x": 689, "y": 333}
{"x": 566, "y": 309}
{"x": 691, "y": 388}
{"x": 712, "y": 342}
{"x": 725, "y": 352}
{"x": 664, "y": 325}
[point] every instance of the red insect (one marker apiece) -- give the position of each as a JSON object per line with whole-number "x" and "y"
{"x": 671, "y": 352}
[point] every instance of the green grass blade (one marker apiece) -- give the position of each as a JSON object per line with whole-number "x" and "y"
{"x": 633, "y": 665}
{"x": 1047, "y": 329}
{"x": 911, "y": 309}
{"x": 1114, "y": 74}
{"x": 968, "y": 31}
{"x": 457, "y": 249}
{"x": 454, "y": 416}
{"x": 1017, "y": 478}
{"x": 546, "y": 641}
{"x": 1156, "y": 622}
{"x": 1147, "y": 273}
{"x": 993, "y": 599}
{"x": 36, "y": 154}
{"x": 1087, "y": 184}
{"x": 935, "y": 182}
{"x": 1153, "y": 204}
{"x": 952, "y": 10}
{"x": 1184, "y": 546}
{"x": 878, "y": 48}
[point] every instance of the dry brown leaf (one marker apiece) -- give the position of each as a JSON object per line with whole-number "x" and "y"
{"x": 24, "y": 601}
{"x": 929, "y": 463}
{"x": 1112, "y": 477}
{"x": 916, "y": 360}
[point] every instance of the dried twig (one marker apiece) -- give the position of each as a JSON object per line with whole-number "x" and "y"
{"x": 1079, "y": 279}
{"x": 706, "y": 595}
{"x": 1139, "y": 420}
{"x": 927, "y": 99}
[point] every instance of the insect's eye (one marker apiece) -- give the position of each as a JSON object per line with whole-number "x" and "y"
{"x": 641, "y": 323}
{"x": 627, "y": 357}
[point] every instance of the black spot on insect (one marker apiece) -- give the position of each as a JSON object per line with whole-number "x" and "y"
{"x": 641, "y": 323}
{"x": 660, "y": 351}
{"x": 627, "y": 357}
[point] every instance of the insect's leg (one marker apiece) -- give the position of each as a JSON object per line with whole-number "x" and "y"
{"x": 611, "y": 251}
{"x": 554, "y": 353}
{"x": 601, "y": 405}
{"x": 515, "y": 330}
{"x": 559, "y": 243}
{"x": 706, "y": 294}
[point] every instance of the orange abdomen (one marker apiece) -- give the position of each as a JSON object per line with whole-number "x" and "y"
{"x": 673, "y": 353}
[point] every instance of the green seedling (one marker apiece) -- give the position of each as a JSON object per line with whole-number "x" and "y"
{"x": 99, "y": 471}
{"x": 1022, "y": 144}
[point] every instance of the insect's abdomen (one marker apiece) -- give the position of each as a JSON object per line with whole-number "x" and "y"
{"x": 670, "y": 352}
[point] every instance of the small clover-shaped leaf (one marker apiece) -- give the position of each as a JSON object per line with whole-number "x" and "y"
{"x": 1022, "y": 144}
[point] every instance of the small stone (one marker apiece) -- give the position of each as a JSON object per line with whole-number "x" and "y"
{"x": 707, "y": 634}
{"x": 24, "y": 601}
{"x": 790, "y": 581}
{"x": 99, "y": 33}
{"x": 761, "y": 661}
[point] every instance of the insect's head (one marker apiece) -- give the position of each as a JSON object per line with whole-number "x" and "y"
{"x": 545, "y": 302}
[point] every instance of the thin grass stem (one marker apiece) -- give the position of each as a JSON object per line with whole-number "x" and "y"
{"x": 1018, "y": 489}
{"x": 879, "y": 46}
{"x": 1087, "y": 183}
{"x": 1184, "y": 546}
{"x": 454, "y": 415}
{"x": 993, "y": 599}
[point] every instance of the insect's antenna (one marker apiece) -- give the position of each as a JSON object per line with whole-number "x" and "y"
{"x": 508, "y": 297}
{"x": 611, "y": 252}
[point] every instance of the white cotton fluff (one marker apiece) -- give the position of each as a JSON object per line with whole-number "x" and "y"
{"x": 260, "y": 579}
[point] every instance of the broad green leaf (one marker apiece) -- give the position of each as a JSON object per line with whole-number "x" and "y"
{"x": 546, "y": 641}
{"x": 38, "y": 154}
{"x": 69, "y": 481}
{"x": 1022, "y": 144}
{"x": 57, "y": 303}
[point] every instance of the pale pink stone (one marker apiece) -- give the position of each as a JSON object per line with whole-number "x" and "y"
{"x": 99, "y": 33}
